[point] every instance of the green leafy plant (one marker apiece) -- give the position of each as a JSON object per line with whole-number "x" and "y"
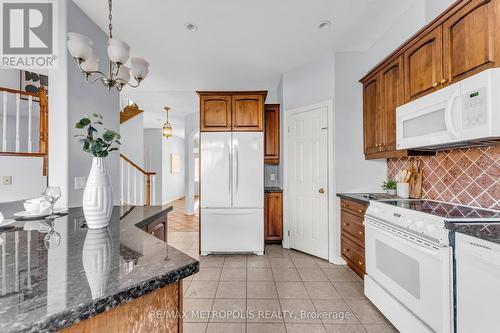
{"x": 389, "y": 185}
{"x": 99, "y": 146}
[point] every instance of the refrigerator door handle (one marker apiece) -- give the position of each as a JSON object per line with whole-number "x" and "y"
{"x": 237, "y": 166}
{"x": 229, "y": 173}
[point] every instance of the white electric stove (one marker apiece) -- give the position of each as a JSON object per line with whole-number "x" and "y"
{"x": 409, "y": 260}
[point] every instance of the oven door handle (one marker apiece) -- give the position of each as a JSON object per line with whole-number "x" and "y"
{"x": 399, "y": 235}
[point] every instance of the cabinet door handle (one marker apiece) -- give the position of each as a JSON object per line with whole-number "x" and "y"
{"x": 360, "y": 232}
{"x": 345, "y": 206}
{"x": 443, "y": 81}
{"x": 346, "y": 250}
{"x": 435, "y": 84}
{"x": 360, "y": 263}
{"x": 360, "y": 211}
{"x": 346, "y": 224}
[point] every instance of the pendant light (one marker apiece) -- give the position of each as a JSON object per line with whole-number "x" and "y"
{"x": 167, "y": 127}
{"x": 118, "y": 75}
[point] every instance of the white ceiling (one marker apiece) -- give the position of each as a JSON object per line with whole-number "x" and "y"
{"x": 240, "y": 44}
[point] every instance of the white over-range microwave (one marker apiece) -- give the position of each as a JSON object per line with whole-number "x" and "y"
{"x": 461, "y": 114}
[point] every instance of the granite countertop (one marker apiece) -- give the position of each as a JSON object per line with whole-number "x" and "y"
{"x": 486, "y": 231}
{"x": 48, "y": 287}
{"x": 364, "y": 197}
{"x": 272, "y": 189}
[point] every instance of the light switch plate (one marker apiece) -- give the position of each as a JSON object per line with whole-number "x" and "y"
{"x": 7, "y": 180}
{"x": 79, "y": 183}
{"x": 273, "y": 177}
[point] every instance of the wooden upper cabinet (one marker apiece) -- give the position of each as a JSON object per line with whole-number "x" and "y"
{"x": 423, "y": 65}
{"x": 226, "y": 111}
{"x": 248, "y": 112}
{"x": 371, "y": 115}
{"x": 215, "y": 113}
{"x": 471, "y": 40}
{"x": 272, "y": 134}
{"x": 391, "y": 96}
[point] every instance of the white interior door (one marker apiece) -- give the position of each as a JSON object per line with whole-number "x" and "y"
{"x": 248, "y": 170}
{"x": 216, "y": 170}
{"x": 307, "y": 180}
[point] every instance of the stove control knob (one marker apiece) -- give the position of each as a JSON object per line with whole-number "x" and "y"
{"x": 419, "y": 224}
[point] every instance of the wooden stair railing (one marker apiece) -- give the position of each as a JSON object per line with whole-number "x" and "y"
{"x": 134, "y": 171}
{"x": 129, "y": 112}
{"x": 43, "y": 138}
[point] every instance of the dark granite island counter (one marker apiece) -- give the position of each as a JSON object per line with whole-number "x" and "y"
{"x": 72, "y": 278}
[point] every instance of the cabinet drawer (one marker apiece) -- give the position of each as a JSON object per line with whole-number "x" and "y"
{"x": 353, "y": 225}
{"x": 354, "y": 255}
{"x": 354, "y": 207}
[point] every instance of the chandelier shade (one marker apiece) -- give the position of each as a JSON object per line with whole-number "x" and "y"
{"x": 119, "y": 75}
{"x": 118, "y": 51}
{"x": 79, "y": 46}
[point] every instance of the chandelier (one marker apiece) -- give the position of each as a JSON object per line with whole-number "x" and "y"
{"x": 167, "y": 127}
{"x": 80, "y": 48}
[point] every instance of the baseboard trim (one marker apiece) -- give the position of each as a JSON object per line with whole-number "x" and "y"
{"x": 337, "y": 261}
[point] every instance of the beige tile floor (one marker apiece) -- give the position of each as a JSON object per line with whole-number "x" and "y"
{"x": 282, "y": 291}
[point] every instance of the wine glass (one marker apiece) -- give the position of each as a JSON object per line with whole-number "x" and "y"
{"x": 52, "y": 194}
{"x": 52, "y": 239}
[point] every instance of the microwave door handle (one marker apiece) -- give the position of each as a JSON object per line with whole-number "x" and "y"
{"x": 448, "y": 115}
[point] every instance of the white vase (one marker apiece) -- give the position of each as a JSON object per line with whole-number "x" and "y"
{"x": 98, "y": 196}
{"x": 96, "y": 256}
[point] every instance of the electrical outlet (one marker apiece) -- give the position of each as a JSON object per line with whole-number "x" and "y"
{"x": 7, "y": 180}
{"x": 273, "y": 177}
{"x": 79, "y": 183}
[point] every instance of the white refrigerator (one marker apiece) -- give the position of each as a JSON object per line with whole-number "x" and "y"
{"x": 232, "y": 192}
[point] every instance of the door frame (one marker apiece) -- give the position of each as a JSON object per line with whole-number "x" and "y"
{"x": 330, "y": 167}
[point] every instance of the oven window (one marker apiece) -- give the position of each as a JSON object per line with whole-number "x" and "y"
{"x": 399, "y": 267}
{"x": 430, "y": 123}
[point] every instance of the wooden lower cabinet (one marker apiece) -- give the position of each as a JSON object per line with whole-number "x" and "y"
{"x": 352, "y": 240}
{"x": 273, "y": 217}
{"x": 158, "y": 228}
{"x": 154, "y": 312}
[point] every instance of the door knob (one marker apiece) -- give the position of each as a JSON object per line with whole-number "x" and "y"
{"x": 321, "y": 190}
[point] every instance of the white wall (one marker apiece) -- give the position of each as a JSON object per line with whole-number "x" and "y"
{"x": 132, "y": 139}
{"x": 352, "y": 172}
{"x": 85, "y": 98}
{"x": 58, "y": 114}
{"x": 435, "y": 7}
{"x": 191, "y": 127}
{"x": 28, "y": 180}
{"x": 310, "y": 83}
{"x": 173, "y": 183}
{"x": 153, "y": 159}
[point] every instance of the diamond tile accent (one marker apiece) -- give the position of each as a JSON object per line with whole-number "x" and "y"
{"x": 469, "y": 176}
